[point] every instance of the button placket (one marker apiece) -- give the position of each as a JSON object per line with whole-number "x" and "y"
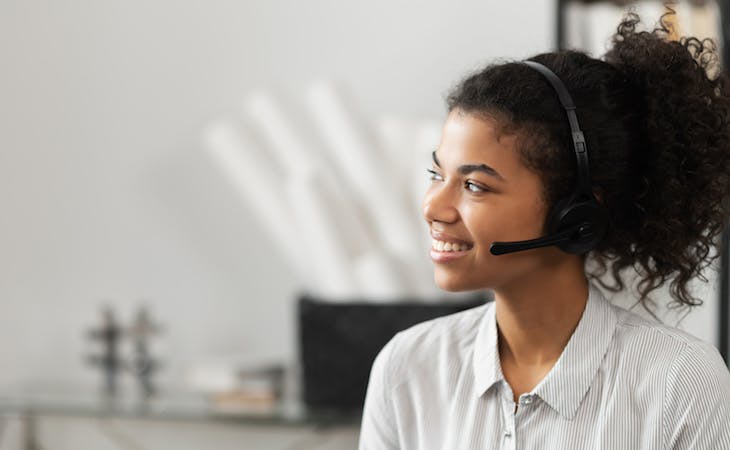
{"x": 509, "y": 427}
{"x": 508, "y": 419}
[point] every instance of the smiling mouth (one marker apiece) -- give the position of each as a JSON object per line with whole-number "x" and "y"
{"x": 450, "y": 247}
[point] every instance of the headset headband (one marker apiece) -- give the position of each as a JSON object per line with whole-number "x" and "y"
{"x": 579, "y": 143}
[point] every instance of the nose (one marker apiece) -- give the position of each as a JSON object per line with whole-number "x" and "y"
{"x": 438, "y": 205}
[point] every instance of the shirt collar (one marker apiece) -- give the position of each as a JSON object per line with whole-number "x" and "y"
{"x": 565, "y": 386}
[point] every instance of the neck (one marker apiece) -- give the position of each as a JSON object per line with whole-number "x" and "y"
{"x": 536, "y": 319}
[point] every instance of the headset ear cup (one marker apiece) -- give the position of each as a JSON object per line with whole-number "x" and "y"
{"x": 553, "y": 223}
{"x": 589, "y": 215}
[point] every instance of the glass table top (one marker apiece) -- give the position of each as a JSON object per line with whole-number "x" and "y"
{"x": 165, "y": 405}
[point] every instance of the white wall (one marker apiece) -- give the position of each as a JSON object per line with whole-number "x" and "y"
{"x": 107, "y": 194}
{"x": 106, "y": 191}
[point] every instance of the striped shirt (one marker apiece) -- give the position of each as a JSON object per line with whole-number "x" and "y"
{"x": 621, "y": 383}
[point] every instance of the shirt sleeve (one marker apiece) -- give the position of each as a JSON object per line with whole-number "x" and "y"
{"x": 378, "y": 428}
{"x": 696, "y": 408}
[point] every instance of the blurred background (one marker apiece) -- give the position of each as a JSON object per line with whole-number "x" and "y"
{"x": 194, "y": 192}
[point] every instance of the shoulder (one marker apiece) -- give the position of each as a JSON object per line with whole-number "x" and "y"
{"x": 443, "y": 340}
{"x": 698, "y": 369}
{"x": 654, "y": 357}
{"x": 696, "y": 406}
{"x": 688, "y": 373}
{"x": 413, "y": 355}
{"x": 639, "y": 337}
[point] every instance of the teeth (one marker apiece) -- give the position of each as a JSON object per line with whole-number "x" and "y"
{"x": 448, "y": 246}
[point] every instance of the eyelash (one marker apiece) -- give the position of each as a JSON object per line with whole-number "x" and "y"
{"x": 466, "y": 183}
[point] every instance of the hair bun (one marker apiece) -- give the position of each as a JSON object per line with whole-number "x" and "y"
{"x": 683, "y": 98}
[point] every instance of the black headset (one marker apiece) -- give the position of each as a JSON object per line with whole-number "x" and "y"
{"x": 577, "y": 223}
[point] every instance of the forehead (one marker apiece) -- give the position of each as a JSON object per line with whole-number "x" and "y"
{"x": 469, "y": 138}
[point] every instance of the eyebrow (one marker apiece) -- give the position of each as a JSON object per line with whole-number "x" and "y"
{"x": 466, "y": 169}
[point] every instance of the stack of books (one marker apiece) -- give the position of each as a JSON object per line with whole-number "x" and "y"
{"x": 240, "y": 386}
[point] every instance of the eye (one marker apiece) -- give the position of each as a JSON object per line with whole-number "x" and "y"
{"x": 434, "y": 174}
{"x": 476, "y": 189}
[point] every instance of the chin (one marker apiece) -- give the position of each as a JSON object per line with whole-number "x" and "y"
{"x": 450, "y": 283}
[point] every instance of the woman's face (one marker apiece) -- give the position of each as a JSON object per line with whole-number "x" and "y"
{"x": 481, "y": 193}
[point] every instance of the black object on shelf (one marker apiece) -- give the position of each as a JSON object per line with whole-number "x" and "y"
{"x": 724, "y": 306}
{"x": 338, "y": 342}
{"x": 560, "y": 24}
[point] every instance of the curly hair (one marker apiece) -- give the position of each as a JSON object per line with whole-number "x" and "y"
{"x": 656, "y": 118}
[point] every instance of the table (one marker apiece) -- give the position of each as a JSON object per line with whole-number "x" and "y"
{"x": 289, "y": 420}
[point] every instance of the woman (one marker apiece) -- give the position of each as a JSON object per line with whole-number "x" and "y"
{"x": 551, "y": 364}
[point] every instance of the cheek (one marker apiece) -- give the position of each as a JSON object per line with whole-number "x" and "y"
{"x": 506, "y": 221}
{"x": 524, "y": 222}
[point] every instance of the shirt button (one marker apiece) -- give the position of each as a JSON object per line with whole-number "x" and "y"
{"x": 526, "y": 400}
{"x": 507, "y": 433}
